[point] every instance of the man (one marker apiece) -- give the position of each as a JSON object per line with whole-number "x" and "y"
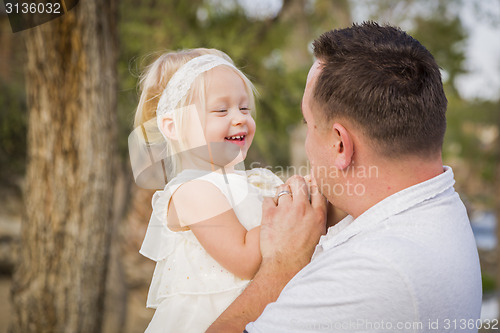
{"x": 404, "y": 259}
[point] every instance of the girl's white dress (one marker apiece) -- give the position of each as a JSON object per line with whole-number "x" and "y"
{"x": 189, "y": 288}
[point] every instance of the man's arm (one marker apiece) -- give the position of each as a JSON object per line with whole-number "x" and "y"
{"x": 289, "y": 234}
{"x": 264, "y": 289}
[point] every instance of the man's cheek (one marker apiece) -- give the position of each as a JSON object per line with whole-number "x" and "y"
{"x": 308, "y": 152}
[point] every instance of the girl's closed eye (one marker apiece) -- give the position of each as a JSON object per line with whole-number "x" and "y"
{"x": 245, "y": 109}
{"x": 220, "y": 112}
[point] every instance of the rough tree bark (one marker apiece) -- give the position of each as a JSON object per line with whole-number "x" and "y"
{"x": 59, "y": 283}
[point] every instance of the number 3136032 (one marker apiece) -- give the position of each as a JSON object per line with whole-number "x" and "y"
{"x": 33, "y": 8}
{"x": 471, "y": 324}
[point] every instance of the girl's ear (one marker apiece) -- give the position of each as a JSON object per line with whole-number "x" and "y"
{"x": 167, "y": 127}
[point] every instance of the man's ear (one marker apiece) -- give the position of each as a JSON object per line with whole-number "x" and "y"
{"x": 167, "y": 127}
{"x": 344, "y": 146}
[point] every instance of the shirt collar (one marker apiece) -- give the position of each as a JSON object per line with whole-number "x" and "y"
{"x": 390, "y": 206}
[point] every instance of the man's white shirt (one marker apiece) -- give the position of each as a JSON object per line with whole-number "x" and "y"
{"x": 407, "y": 264}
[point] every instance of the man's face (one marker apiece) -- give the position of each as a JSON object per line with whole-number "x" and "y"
{"x": 318, "y": 136}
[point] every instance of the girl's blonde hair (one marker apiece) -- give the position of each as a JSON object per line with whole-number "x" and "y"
{"x": 153, "y": 82}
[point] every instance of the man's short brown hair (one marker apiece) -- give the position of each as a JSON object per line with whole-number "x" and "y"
{"x": 386, "y": 82}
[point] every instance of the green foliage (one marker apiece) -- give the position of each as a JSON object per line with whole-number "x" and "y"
{"x": 13, "y": 128}
{"x": 472, "y": 139}
{"x": 279, "y": 110}
{"x": 445, "y": 39}
{"x": 489, "y": 283}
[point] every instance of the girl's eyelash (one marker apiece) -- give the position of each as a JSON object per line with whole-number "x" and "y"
{"x": 224, "y": 110}
{"x": 304, "y": 121}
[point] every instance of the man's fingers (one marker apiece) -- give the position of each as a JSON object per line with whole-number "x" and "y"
{"x": 318, "y": 201}
{"x": 268, "y": 204}
{"x": 283, "y": 194}
{"x": 299, "y": 188}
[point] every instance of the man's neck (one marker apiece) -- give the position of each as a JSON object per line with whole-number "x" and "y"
{"x": 392, "y": 177}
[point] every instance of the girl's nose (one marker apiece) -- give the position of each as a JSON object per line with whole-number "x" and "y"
{"x": 238, "y": 118}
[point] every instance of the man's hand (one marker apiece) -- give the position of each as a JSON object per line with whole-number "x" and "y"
{"x": 291, "y": 227}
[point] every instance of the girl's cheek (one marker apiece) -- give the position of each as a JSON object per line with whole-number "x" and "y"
{"x": 253, "y": 125}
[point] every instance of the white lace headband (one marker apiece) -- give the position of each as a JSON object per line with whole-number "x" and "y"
{"x": 183, "y": 78}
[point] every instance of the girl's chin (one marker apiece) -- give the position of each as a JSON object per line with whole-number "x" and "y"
{"x": 239, "y": 158}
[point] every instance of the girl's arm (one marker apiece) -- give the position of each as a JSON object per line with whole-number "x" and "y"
{"x": 203, "y": 208}
{"x": 290, "y": 233}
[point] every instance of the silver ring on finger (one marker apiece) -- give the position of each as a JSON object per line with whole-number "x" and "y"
{"x": 281, "y": 193}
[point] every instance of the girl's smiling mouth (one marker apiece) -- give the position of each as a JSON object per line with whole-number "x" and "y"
{"x": 238, "y": 139}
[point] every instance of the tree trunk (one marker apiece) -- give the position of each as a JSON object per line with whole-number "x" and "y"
{"x": 59, "y": 283}
{"x": 6, "y": 49}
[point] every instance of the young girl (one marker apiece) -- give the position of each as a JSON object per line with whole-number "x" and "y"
{"x": 195, "y": 118}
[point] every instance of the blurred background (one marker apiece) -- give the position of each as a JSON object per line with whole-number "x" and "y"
{"x": 67, "y": 81}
